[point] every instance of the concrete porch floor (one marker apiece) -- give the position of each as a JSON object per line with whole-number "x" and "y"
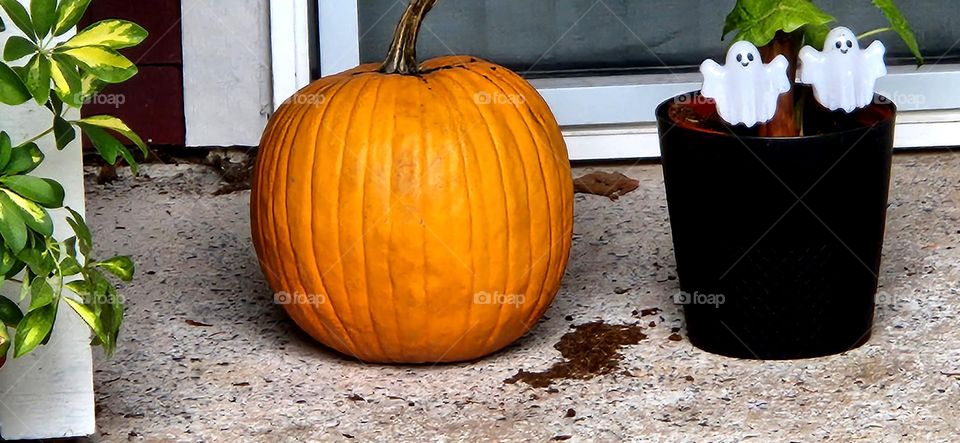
{"x": 206, "y": 355}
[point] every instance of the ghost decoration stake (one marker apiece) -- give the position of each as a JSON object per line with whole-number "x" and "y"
{"x": 843, "y": 76}
{"x": 745, "y": 89}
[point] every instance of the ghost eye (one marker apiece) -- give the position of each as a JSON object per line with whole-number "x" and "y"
{"x": 740, "y": 58}
{"x": 750, "y": 57}
{"x": 849, "y": 44}
{"x": 839, "y": 45}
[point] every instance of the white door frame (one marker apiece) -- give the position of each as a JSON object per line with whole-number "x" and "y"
{"x": 609, "y": 117}
{"x": 289, "y": 47}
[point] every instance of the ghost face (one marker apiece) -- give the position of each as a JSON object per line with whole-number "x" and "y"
{"x": 743, "y": 54}
{"x": 841, "y": 40}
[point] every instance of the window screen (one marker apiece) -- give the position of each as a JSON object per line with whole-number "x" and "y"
{"x": 569, "y": 37}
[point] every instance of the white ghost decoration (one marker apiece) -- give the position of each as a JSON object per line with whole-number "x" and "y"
{"x": 745, "y": 89}
{"x": 843, "y": 76}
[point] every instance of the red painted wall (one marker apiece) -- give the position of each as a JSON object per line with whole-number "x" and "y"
{"x": 152, "y": 102}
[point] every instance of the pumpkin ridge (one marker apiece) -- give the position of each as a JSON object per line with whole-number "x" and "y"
{"x": 317, "y": 153}
{"x": 314, "y": 308}
{"x": 257, "y": 204}
{"x": 314, "y": 313}
{"x": 388, "y": 260}
{"x": 378, "y": 86}
{"x": 562, "y": 174}
{"x": 278, "y": 274}
{"x": 423, "y": 210}
{"x": 284, "y": 164}
{"x": 317, "y": 308}
{"x": 351, "y": 342}
{"x": 500, "y": 184}
{"x": 542, "y": 302}
{"x": 469, "y": 298}
{"x": 341, "y": 253}
{"x": 528, "y": 272}
{"x": 535, "y": 98}
{"x": 537, "y": 147}
{"x": 504, "y": 187}
{"x": 270, "y": 209}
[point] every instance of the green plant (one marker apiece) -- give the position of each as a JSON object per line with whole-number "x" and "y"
{"x": 59, "y": 73}
{"x": 783, "y": 27}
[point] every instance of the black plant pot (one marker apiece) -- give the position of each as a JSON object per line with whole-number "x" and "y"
{"x": 778, "y": 240}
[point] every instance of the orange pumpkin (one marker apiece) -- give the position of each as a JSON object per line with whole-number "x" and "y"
{"x": 414, "y": 213}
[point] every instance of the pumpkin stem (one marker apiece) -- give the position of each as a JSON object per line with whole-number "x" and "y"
{"x": 402, "y": 58}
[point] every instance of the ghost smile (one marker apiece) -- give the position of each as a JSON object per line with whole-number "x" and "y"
{"x": 844, "y": 51}
{"x": 745, "y": 64}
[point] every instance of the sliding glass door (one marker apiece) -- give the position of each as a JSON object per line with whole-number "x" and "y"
{"x": 604, "y": 65}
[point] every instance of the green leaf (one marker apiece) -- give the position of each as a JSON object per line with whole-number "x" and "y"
{"x": 111, "y": 315}
{"x": 17, "y": 265}
{"x": 34, "y": 216}
{"x": 83, "y": 232}
{"x": 69, "y": 14}
{"x": 10, "y": 313}
{"x": 33, "y": 329}
{"x": 55, "y": 105}
{"x": 104, "y": 63}
{"x": 69, "y": 266}
{"x": 38, "y": 78}
{"x": 108, "y": 305}
{"x": 44, "y": 14}
{"x": 80, "y": 288}
{"x": 12, "y": 227}
{"x": 8, "y": 263}
{"x": 128, "y": 157}
{"x": 63, "y": 132}
{"x": 25, "y": 288}
{"x": 90, "y": 317}
{"x": 899, "y": 23}
{"x": 24, "y": 159}
{"x": 44, "y": 191}
{"x": 12, "y": 90}
{"x": 108, "y": 146}
{"x": 115, "y": 124}
{"x": 757, "y": 21}
{"x": 41, "y": 294}
{"x": 114, "y": 34}
{"x": 66, "y": 81}
{"x": 19, "y": 15}
{"x": 6, "y": 150}
{"x": 39, "y": 261}
{"x": 122, "y": 267}
{"x": 90, "y": 85}
{"x": 18, "y": 47}
{"x": 70, "y": 246}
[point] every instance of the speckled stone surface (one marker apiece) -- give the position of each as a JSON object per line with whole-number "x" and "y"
{"x": 207, "y": 356}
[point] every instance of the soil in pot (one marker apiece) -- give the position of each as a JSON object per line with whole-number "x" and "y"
{"x": 777, "y": 240}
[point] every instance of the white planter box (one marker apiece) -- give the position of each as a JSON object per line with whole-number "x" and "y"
{"x": 49, "y": 393}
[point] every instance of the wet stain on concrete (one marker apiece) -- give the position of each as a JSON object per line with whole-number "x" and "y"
{"x": 590, "y": 350}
